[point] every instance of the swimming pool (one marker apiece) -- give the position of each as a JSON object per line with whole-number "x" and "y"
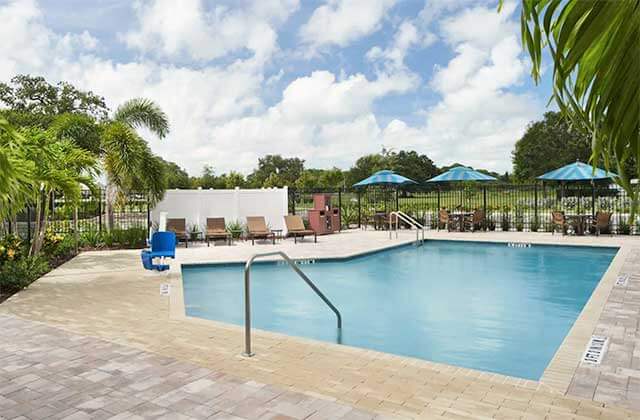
{"x": 484, "y": 306}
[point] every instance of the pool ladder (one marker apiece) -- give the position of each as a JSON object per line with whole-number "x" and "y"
{"x": 247, "y": 295}
{"x": 400, "y": 215}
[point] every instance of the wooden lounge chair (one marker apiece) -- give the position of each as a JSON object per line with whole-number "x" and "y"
{"x": 559, "y": 221}
{"x": 475, "y": 222}
{"x": 443, "y": 219}
{"x": 179, "y": 226}
{"x": 295, "y": 228}
{"x": 257, "y": 229}
{"x": 217, "y": 229}
{"x": 602, "y": 222}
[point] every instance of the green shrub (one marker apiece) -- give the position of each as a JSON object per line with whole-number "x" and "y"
{"x": 623, "y": 227}
{"x": 135, "y": 237}
{"x": 57, "y": 247}
{"x": 11, "y": 248}
{"x": 18, "y": 274}
{"x": 91, "y": 239}
{"x": 235, "y": 228}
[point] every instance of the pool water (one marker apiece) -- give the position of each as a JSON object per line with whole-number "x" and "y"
{"x": 471, "y": 304}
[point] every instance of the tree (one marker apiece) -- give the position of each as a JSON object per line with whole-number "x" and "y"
{"x": 16, "y": 172}
{"x": 82, "y": 129}
{"x": 128, "y": 162}
{"x": 547, "y": 145}
{"x": 596, "y": 72}
{"x": 277, "y": 170}
{"x": 366, "y": 166}
{"x": 34, "y": 96}
{"x": 175, "y": 175}
{"x": 412, "y": 165}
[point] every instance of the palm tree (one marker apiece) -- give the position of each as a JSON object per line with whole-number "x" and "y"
{"x": 595, "y": 49}
{"x": 59, "y": 166}
{"x": 15, "y": 172}
{"x": 128, "y": 162}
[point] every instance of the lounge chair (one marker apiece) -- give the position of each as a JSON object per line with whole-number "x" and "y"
{"x": 179, "y": 226}
{"x": 443, "y": 219}
{"x": 559, "y": 221}
{"x": 602, "y": 223}
{"x": 257, "y": 229}
{"x": 295, "y": 228}
{"x": 217, "y": 229}
{"x": 475, "y": 222}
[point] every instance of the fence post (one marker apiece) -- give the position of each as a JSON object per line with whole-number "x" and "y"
{"x": 340, "y": 207}
{"x": 148, "y": 218}
{"x": 438, "y": 209}
{"x": 359, "y": 212}
{"x": 593, "y": 199}
{"x": 397, "y": 203}
{"x": 535, "y": 205}
{"x": 484, "y": 200}
{"x": 100, "y": 210}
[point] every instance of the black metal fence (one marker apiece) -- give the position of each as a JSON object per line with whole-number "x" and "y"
{"x": 508, "y": 207}
{"x": 127, "y": 212}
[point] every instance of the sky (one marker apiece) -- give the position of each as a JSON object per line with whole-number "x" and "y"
{"x": 327, "y": 81}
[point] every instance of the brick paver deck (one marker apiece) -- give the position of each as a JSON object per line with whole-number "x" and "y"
{"x": 107, "y": 295}
{"x": 47, "y": 373}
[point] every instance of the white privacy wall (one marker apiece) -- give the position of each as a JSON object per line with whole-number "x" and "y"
{"x": 196, "y": 205}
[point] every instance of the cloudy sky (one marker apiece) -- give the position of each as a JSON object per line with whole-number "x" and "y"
{"x": 326, "y": 80}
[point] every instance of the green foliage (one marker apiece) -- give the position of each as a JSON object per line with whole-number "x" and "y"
{"x": 17, "y": 274}
{"x": 143, "y": 113}
{"x": 11, "y": 248}
{"x": 593, "y": 46}
{"x": 236, "y": 228}
{"x": 176, "y": 176}
{"x": 134, "y": 237}
{"x": 276, "y": 171}
{"x": 81, "y": 129}
{"x": 34, "y": 95}
{"x": 57, "y": 247}
{"x": 547, "y": 145}
{"x": 349, "y": 213}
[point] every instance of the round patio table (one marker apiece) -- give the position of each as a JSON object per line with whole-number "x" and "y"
{"x": 578, "y": 222}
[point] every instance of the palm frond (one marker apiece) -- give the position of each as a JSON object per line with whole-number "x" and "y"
{"x": 140, "y": 112}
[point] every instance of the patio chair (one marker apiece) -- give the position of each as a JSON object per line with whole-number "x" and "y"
{"x": 602, "y": 222}
{"x": 475, "y": 222}
{"x": 217, "y": 229}
{"x": 179, "y": 227}
{"x": 559, "y": 221}
{"x": 257, "y": 229}
{"x": 443, "y": 219}
{"x": 295, "y": 228}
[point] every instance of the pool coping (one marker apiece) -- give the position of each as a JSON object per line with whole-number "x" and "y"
{"x": 556, "y": 377}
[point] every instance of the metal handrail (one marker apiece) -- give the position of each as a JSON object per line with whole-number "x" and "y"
{"x": 247, "y": 295}
{"x": 410, "y": 220}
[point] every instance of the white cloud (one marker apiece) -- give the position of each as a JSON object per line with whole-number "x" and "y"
{"x": 340, "y": 22}
{"x": 193, "y": 31}
{"x": 217, "y": 113}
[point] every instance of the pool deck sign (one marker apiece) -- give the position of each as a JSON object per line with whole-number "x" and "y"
{"x": 165, "y": 289}
{"x": 621, "y": 280}
{"x": 595, "y": 350}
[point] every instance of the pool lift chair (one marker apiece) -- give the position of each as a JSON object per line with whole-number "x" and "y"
{"x": 163, "y": 245}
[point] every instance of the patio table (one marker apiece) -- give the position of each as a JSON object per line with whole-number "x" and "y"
{"x": 578, "y": 222}
{"x": 458, "y": 219}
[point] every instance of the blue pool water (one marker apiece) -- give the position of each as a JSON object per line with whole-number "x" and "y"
{"x": 477, "y": 305}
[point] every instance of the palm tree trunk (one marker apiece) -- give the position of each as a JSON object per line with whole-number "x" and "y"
{"x": 42, "y": 213}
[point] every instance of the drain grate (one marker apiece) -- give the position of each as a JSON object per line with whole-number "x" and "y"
{"x": 595, "y": 350}
{"x": 519, "y": 245}
{"x": 622, "y": 280}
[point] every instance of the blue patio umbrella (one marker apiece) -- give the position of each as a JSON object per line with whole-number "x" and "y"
{"x": 386, "y": 177}
{"x": 461, "y": 173}
{"x": 577, "y": 171}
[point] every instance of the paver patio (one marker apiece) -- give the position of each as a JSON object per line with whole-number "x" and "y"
{"x": 107, "y": 295}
